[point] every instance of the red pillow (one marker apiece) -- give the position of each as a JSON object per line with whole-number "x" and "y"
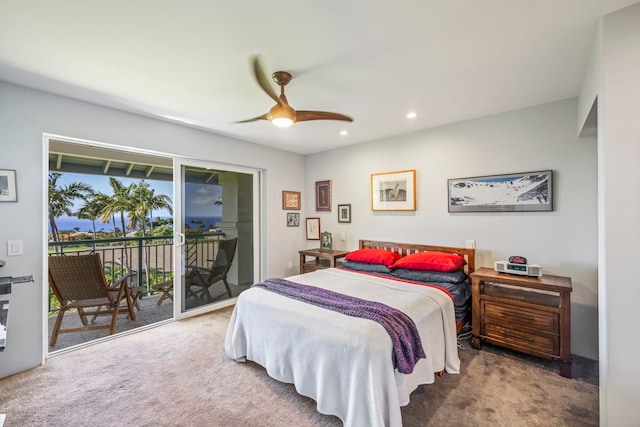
{"x": 373, "y": 256}
{"x": 434, "y": 261}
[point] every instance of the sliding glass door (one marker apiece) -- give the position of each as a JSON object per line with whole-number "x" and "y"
{"x": 216, "y": 221}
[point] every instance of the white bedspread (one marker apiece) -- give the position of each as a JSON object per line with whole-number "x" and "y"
{"x": 344, "y": 363}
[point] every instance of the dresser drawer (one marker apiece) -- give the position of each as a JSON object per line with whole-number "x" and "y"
{"x": 549, "y": 344}
{"x": 520, "y": 316}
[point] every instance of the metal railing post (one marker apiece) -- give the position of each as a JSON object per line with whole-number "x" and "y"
{"x": 140, "y": 272}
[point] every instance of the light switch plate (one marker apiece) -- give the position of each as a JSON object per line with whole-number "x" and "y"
{"x": 14, "y": 247}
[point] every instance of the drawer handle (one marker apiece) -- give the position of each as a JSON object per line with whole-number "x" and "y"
{"x": 518, "y": 316}
{"x": 505, "y": 333}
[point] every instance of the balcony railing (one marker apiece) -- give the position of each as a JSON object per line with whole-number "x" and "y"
{"x": 149, "y": 259}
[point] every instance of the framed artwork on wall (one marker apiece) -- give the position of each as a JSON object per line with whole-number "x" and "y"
{"x": 8, "y": 189}
{"x": 291, "y": 200}
{"x": 313, "y": 228}
{"x": 323, "y": 196}
{"x": 393, "y": 191}
{"x": 293, "y": 219}
{"x": 344, "y": 213}
{"x": 517, "y": 192}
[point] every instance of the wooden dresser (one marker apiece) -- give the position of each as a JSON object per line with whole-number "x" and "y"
{"x": 322, "y": 258}
{"x": 527, "y": 314}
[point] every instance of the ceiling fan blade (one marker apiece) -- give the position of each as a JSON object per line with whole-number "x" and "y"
{"x": 263, "y": 81}
{"x": 262, "y": 117}
{"x": 302, "y": 116}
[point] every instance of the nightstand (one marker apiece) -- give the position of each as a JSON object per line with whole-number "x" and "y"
{"x": 323, "y": 258}
{"x": 527, "y": 314}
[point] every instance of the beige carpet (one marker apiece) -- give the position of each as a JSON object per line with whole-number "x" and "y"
{"x": 177, "y": 375}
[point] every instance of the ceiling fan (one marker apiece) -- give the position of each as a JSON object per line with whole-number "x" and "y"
{"x": 282, "y": 114}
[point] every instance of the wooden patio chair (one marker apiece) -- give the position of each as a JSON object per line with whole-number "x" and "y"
{"x": 78, "y": 282}
{"x": 199, "y": 279}
{"x": 167, "y": 290}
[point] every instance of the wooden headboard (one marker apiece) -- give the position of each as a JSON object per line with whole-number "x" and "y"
{"x": 409, "y": 248}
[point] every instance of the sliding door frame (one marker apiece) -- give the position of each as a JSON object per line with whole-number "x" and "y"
{"x": 179, "y": 231}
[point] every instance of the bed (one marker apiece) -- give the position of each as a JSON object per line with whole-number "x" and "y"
{"x": 345, "y": 363}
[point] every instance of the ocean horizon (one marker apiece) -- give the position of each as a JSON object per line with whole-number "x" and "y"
{"x": 71, "y": 223}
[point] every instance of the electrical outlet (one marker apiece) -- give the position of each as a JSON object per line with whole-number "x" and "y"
{"x": 290, "y": 267}
{"x": 471, "y": 244}
{"x": 343, "y": 236}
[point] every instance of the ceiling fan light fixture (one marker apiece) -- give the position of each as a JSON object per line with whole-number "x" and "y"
{"x": 282, "y": 116}
{"x": 282, "y": 122}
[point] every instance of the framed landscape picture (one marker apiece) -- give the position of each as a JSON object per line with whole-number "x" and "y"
{"x": 517, "y": 192}
{"x": 393, "y": 191}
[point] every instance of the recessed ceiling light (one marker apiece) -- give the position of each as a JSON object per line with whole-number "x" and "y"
{"x": 411, "y": 115}
{"x": 344, "y": 133}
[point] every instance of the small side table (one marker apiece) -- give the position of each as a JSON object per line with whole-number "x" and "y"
{"x": 510, "y": 311}
{"x": 323, "y": 258}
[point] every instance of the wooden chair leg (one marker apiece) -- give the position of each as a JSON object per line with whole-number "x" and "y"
{"x": 130, "y": 304}
{"x": 226, "y": 285}
{"x": 136, "y": 291}
{"x": 114, "y": 318}
{"x": 56, "y": 328}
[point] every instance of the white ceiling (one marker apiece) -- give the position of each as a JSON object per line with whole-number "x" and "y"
{"x": 374, "y": 60}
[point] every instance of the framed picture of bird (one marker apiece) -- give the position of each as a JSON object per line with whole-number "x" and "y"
{"x": 393, "y": 191}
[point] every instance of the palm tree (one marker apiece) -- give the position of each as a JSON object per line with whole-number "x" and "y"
{"x": 145, "y": 201}
{"x": 92, "y": 209}
{"x": 61, "y": 199}
{"x": 117, "y": 204}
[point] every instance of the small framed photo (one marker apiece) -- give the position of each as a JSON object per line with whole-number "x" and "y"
{"x": 393, "y": 191}
{"x": 326, "y": 242}
{"x": 323, "y": 196}
{"x": 313, "y": 228}
{"x": 344, "y": 213}
{"x": 291, "y": 200}
{"x": 8, "y": 190}
{"x": 293, "y": 219}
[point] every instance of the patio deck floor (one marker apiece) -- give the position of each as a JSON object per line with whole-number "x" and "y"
{"x": 148, "y": 314}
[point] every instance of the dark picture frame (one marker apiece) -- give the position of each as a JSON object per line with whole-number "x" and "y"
{"x": 313, "y": 228}
{"x": 326, "y": 241}
{"x": 514, "y": 192}
{"x": 293, "y": 219}
{"x": 344, "y": 213}
{"x": 291, "y": 200}
{"x": 8, "y": 186}
{"x": 323, "y": 196}
{"x": 393, "y": 191}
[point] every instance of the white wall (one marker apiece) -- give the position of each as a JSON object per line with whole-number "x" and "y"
{"x": 26, "y": 114}
{"x": 619, "y": 225}
{"x": 539, "y": 138}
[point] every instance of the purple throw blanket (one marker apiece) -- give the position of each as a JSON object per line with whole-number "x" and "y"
{"x": 407, "y": 346}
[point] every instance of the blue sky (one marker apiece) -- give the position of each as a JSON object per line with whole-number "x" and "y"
{"x": 100, "y": 184}
{"x": 199, "y": 198}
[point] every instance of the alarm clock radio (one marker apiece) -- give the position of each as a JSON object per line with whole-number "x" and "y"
{"x": 520, "y": 269}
